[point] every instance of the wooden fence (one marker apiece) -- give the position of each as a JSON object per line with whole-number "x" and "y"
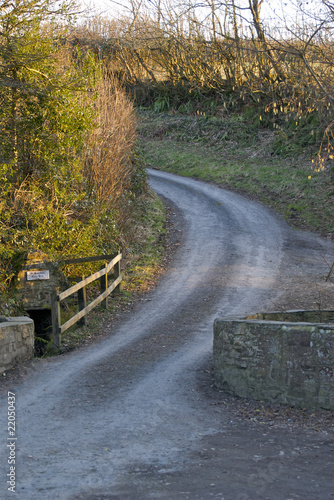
{"x": 57, "y": 328}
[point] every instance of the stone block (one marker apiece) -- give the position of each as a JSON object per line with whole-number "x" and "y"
{"x": 265, "y": 357}
{"x": 17, "y": 341}
{"x": 36, "y": 294}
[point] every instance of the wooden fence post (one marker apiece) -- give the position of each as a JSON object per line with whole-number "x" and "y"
{"x": 82, "y": 303}
{"x": 56, "y": 297}
{"x": 55, "y": 315}
{"x": 104, "y": 286}
{"x": 117, "y": 272}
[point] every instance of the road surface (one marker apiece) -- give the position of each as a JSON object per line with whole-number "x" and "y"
{"x": 134, "y": 416}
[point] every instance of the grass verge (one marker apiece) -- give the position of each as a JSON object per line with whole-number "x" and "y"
{"x": 232, "y": 153}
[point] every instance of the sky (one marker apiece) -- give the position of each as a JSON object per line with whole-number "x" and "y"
{"x": 103, "y": 7}
{"x": 282, "y": 12}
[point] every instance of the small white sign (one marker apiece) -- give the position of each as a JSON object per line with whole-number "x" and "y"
{"x": 38, "y": 275}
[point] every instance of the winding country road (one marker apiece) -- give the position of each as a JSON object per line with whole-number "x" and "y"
{"x": 130, "y": 417}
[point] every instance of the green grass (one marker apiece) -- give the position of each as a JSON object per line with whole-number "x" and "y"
{"x": 144, "y": 260}
{"x": 237, "y": 155}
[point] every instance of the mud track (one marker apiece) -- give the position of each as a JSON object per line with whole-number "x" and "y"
{"x": 135, "y": 415}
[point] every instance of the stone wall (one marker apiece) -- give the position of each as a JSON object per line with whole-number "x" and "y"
{"x": 37, "y": 280}
{"x": 16, "y": 341}
{"x": 289, "y": 361}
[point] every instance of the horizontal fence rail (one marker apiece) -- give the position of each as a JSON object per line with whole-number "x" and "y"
{"x": 57, "y": 328}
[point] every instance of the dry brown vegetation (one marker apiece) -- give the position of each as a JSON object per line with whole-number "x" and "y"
{"x": 109, "y": 147}
{"x": 176, "y": 55}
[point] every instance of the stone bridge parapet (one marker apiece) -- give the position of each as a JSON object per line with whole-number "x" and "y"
{"x": 16, "y": 341}
{"x": 279, "y": 357}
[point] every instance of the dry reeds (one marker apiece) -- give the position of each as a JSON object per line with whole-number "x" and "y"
{"x": 108, "y": 151}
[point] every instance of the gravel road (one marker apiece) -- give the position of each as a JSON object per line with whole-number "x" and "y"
{"x": 135, "y": 415}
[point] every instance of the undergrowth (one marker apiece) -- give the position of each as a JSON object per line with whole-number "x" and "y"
{"x": 140, "y": 269}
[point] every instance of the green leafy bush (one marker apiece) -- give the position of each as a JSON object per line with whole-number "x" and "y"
{"x": 70, "y": 181}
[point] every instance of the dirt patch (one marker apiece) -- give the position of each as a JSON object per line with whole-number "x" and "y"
{"x": 262, "y": 413}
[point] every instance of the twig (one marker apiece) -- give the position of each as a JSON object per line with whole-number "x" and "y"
{"x": 331, "y": 269}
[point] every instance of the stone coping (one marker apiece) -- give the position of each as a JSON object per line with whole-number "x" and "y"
{"x": 325, "y": 317}
{"x": 14, "y": 320}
